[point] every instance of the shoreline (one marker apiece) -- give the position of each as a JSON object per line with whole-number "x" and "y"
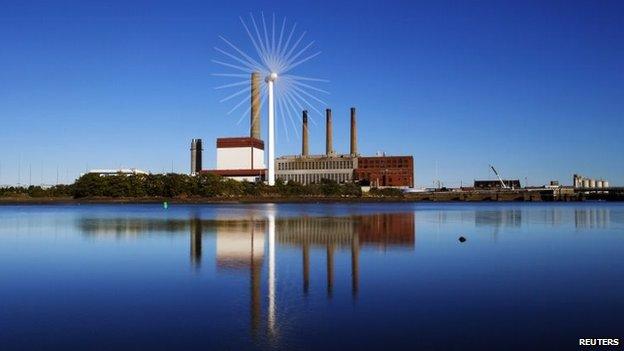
{"x": 424, "y": 198}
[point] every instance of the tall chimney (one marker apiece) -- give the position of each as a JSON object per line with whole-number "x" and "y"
{"x": 196, "y": 156}
{"x": 304, "y": 134}
{"x": 354, "y": 149}
{"x": 255, "y": 106}
{"x": 329, "y": 133}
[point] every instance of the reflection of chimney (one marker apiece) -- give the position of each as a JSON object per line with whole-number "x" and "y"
{"x": 306, "y": 268}
{"x": 353, "y": 133}
{"x": 255, "y": 105}
{"x": 329, "y": 133}
{"x": 196, "y": 156}
{"x": 330, "y": 270}
{"x": 304, "y": 135}
{"x": 196, "y": 241}
{"x": 355, "y": 264}
{"x": 256, "y": 273}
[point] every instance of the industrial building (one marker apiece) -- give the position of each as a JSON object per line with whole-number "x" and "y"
{"x": 242, "y": 158}
{"x": 497, "y": 184}
{"x": 196, "y": 156}
{"x": 307, "y": 169}
{"x": 381, "y": 171}
{"x": 580, "y": 181}
{"x": 386, "y": 171}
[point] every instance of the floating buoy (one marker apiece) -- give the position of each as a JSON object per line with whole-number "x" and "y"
{"x": 165, "y": 205}
{"x": 462, "y": 239}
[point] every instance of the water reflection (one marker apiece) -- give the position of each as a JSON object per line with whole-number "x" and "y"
{"x": 240, "y": 245}
{"x": 248, "y": 243}
{"x": 592, "y": 218}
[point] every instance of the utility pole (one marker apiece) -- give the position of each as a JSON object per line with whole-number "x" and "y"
{"x": 29, "y": 174}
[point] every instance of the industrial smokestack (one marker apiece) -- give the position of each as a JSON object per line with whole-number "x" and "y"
{"x": 196, "y": 156}
{"x": 329, "y": 133}
{"x": 255, "y": 105}
{"x": 304, "y": 134}
{"x": 354, "y": 150}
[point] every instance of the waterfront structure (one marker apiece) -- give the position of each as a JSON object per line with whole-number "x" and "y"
{"x": 313, "y": 169}
{"x": 379, "y": 171}
{"x": 496, "y": 184}
{"x": 240, "y": 158}
{"x": 196, "y": 156}
{"x": 386, "y": 171}
{"x": 579, "y": 181}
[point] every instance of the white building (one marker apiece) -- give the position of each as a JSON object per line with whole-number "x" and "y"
{"x": 240, "y": 159}
{"x": 112, "y": 172}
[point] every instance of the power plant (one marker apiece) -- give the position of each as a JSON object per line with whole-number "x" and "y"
{"x": 242, "y": 158}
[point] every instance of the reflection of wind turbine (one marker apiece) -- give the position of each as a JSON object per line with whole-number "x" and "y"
{"x": 271, "y": 307}
{"x": 276, "y": 56}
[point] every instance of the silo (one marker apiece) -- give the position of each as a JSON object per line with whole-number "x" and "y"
{"x": 592, "y": 183}
{"x": 599, "y": 183}
{"x": 585, "y": 183}
{"x": 196, "y": 156}
{"x": 577, "y": 181}
{"x": 605, "y": 184}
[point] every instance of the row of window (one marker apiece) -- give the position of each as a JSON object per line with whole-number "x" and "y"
{"x": 315, "y": 178}
{"x": 338, "y": 164}
{"x": 385, "y": 163}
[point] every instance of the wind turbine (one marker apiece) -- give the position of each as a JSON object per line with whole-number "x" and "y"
{"x": 277, "y": 51}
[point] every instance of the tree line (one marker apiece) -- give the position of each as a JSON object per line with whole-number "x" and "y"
{"x": 174, "y": 185}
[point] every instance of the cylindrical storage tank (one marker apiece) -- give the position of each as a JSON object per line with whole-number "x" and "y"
{"x": 592, "y": 183}
{"x": 605, "y": 184}
{"x": 585, "y": 183}
{"x": 599, "y": 183}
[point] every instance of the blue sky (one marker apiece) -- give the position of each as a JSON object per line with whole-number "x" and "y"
{"x": 535, "y": 88}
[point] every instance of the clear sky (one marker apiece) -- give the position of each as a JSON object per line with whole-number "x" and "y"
{"x": 535, "y": 88}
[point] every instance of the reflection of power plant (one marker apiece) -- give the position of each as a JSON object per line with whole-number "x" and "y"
{"x": 241, "y": 245}
{"x": 592, "y": 218}
{"x": 337, "y": 233}
{"x": 196, "y": 241}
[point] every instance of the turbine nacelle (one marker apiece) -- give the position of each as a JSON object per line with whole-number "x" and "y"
{"x": 272, "y": 77}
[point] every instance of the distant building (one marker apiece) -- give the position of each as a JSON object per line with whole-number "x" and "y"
{"x": 240, "y": 158}
{"x": 112, "y": 172}
{"x": 380, "y": 171}
{"x": 496, "y": 184}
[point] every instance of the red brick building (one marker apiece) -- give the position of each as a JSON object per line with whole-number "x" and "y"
{"x": 386, "y": 170}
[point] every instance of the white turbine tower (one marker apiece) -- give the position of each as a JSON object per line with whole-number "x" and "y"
{"x": 278, "y": 52}
{"x": 270, "y": 79}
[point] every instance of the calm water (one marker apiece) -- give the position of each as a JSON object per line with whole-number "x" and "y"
{"x": 375, "y": 276}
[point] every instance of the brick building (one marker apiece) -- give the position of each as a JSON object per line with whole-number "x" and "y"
{"x": 395, "y": 171}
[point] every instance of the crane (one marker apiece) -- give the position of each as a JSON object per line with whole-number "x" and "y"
{"x": 503, "y": 185}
